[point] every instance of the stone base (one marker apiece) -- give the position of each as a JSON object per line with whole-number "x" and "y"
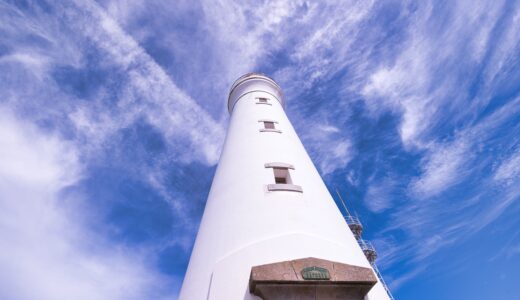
{"x": 286, "y": 280}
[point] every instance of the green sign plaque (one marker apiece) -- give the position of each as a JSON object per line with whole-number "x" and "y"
{"x": 315, "y": 273}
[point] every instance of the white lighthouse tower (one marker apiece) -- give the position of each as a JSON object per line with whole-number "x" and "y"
{"x": 271, "y": 229}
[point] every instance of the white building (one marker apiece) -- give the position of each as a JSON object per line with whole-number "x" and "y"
{"x": 268, "y": 208}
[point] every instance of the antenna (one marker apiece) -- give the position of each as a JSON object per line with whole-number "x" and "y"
{"x": 353, "y": 222}
{"x": 342, "y": 202}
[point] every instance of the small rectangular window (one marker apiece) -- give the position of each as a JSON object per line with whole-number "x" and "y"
{"x": 268, "y": 125}
{"x": 280, "y": 180}
{"x": 263, "y": 100}
{"x": 282, "y": 176}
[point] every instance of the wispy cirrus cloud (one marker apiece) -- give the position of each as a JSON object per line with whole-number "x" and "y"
{"x": 380, "y": 195}
{"x": 424, "y": 81}
{"x": 43, "y": 240}
{"x": 509, "y": 169}
{"x": 142, "y": 89}
{"x": 81, "y": 85}
{"x": 442, "y": 168}
{"x": 91, "y": 81}
{"x": 340, "y": 151}
{"x": 437, "y": 217}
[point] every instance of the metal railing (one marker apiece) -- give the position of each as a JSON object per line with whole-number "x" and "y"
{"x": 355, "y": 225}
{"x": 376, "y": 270}
{"x": 368, "y": 249}
{"x": 366, "y": 245}
{"x": 352, "y": 220}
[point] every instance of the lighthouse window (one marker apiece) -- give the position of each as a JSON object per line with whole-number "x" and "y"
{"x": 262, "y": 100}
{"x": 280, "y": 180}
{"x": 268, "y": 125}
{"x": 282, "y": 176}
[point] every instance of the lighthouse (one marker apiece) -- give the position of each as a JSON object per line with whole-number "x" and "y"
{"x": 270, "y": 228}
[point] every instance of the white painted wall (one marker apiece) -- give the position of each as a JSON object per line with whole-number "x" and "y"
{"x": 246, "y": 225}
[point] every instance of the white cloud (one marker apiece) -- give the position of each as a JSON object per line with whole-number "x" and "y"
{"x": 47, "y": 252}
{"x": 446, "y": 164}
{"x": 431, "y": 245}
{"x": 243, "y": 30}
{"x": 339, "y": 148}
{"x": 446, "y": 218}
{"x": 229, "y": 38}
{"x": 338, "y": 157}
{"x": 509, "y": 170}
{"x": 506, "y": 198}
{"x": 149, "y": 92}
{"x": 32, "y": 61}
{"x": 379, "y": 195}
{"x": 143, "y": 89}
{"x": 328, "y": 41}
{"x": 442, "y": 168}
{"x": 396, "y": 283}
{"x": 425, "y": 79}
{"x": 54, "y": 164}
{"x": 403, "y": 88}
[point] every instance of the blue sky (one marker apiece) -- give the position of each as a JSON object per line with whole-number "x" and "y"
{"x": 113, "y": 114}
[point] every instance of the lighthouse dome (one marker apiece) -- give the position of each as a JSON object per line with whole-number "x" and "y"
{"x": 253, "y": 82}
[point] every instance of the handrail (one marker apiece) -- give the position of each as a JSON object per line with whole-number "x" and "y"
{"x": 352, "y": 220}
{"x": 368, "y": 250}
{"x": 365, "y": 245}
{"x": 376, "y": 270}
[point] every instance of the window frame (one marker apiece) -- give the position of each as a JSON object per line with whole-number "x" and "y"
{"x": 267, "y": 100}
{"x": 269, "y": 125}
{"x": 265, "y": 129}
{"x": 281, "y": 170}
